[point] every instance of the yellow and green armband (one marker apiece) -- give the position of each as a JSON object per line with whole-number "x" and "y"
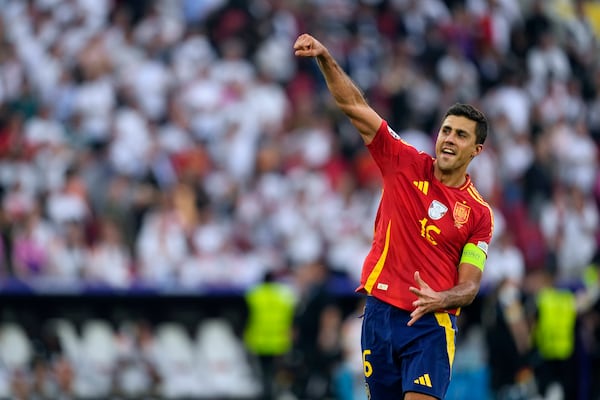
{"x": 473, "y": 255}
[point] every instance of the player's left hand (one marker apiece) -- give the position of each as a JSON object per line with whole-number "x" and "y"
{"x": 428, "y": 299}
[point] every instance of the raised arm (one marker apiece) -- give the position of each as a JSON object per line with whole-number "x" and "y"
{"x": 346, "y": 94}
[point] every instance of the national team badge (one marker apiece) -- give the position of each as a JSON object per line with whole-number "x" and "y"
{"x": 461, "y": 214}
{"x": 436, "y": 210}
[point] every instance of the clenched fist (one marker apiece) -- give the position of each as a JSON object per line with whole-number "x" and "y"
{"x": 308, "y": 46}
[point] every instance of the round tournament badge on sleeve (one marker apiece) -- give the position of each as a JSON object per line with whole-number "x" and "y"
{"x": 393, "y": 133}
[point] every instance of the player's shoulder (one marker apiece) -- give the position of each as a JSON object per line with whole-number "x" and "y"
{"x": 473, "y": 193}
{"x": 388, "y": 133}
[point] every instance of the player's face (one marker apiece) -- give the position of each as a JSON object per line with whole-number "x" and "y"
{"x": 455, "y": 146}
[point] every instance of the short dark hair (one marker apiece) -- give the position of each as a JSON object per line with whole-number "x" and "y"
{"x": 470, "y": 112}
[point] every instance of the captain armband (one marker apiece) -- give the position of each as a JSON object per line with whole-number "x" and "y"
{"x": 473, "y": 255}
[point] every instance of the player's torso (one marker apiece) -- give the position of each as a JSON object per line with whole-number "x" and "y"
{"x": 422, "y": 226}
{"x": 437, "y": 218}
{"x": 431, "y": 217}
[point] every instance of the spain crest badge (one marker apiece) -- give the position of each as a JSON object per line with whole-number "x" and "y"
{"x": 460, "y": 214}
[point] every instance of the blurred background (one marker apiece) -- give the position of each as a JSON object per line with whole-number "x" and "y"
{"x": 184, "y": 212}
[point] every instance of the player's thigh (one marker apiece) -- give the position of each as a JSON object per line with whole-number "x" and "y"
{"x": 427, "y": 361}
{"x": 383, "y": 375}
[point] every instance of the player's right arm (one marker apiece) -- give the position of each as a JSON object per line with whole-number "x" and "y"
{"x": 346, "y": 94}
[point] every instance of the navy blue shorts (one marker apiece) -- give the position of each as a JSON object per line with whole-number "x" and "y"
{"x": 398, "y": 358}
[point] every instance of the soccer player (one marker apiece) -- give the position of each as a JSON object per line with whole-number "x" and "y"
{"x": 432, "y": 232}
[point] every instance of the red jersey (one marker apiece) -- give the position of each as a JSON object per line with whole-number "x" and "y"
{"x": 421, "y": 224}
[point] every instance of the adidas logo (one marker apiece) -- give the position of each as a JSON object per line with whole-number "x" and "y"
{"x": 423, "y": 380}
{"x": 423, "y": 186}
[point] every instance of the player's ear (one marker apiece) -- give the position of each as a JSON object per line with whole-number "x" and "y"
{"x": 478, "y": 149}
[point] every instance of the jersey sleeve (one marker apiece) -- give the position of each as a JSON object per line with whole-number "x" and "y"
{"x": 390, "y": 151}
{"x": 475, "y": 250}
{"x": 483, "y": 230}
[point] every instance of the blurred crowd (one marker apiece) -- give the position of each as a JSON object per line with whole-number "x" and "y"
{"x": 180, "y": 145}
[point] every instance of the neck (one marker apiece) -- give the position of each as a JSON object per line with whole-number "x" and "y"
{"x": 451, "y": 179}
